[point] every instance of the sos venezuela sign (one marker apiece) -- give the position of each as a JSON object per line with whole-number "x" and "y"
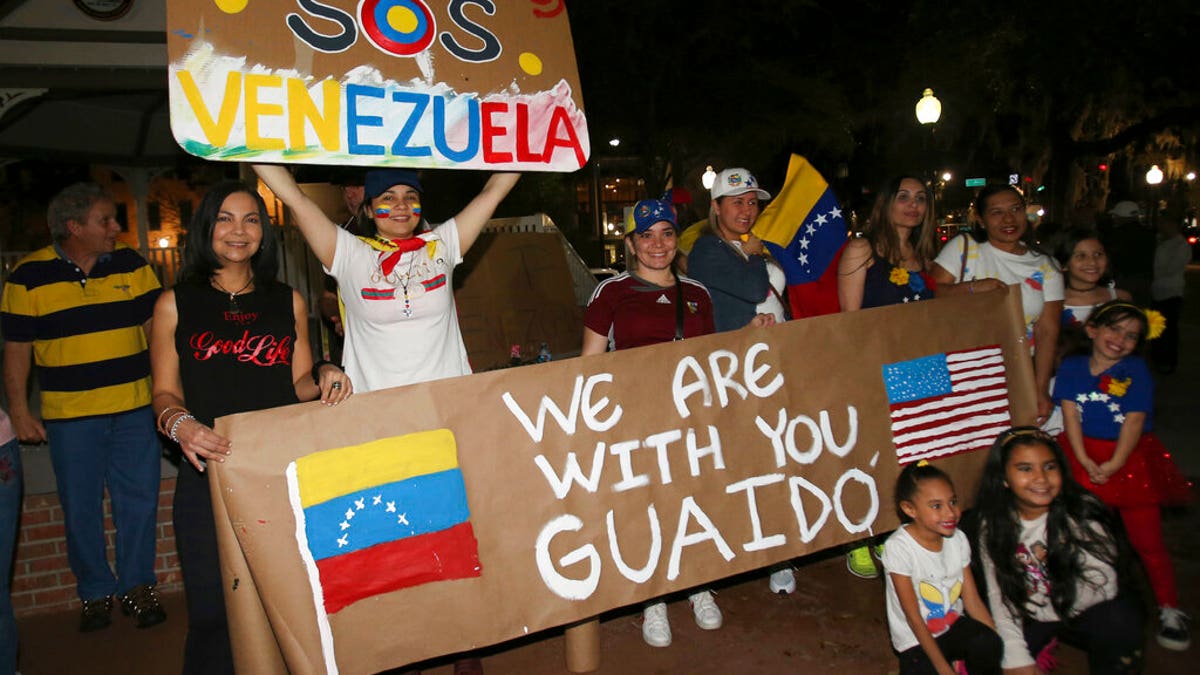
{"x": 476, "y": 84}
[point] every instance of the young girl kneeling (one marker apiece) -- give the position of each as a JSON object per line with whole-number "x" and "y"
{"x": 1054, "y": 561}
{"x": 929, "y": 582}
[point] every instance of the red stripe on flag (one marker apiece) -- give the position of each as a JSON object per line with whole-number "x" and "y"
{"x": 817, "y": 298}
{"x": 439, "y": 556}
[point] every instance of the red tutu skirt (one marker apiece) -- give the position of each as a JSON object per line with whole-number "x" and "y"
{"x": 1149, "y": 476}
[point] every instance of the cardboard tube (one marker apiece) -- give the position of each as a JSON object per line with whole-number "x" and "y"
{"x": 583, "y": 647}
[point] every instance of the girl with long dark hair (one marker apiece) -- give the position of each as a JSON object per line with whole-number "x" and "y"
{"x": 1054, "y": 560}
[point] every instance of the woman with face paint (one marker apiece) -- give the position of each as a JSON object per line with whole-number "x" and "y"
{"x": 395, "y": 281}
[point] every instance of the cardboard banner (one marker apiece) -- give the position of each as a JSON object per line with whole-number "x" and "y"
{"x": 514, "y": 288}
{"x": 430, "y": 519}
{"x": 472, "y": 84}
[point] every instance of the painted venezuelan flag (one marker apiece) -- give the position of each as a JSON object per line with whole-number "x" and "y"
{"x": 805, "y": 231}
{"x": 382, "y": 516}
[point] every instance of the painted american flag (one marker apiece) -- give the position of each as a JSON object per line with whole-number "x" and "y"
{"x": 945, "y": 404}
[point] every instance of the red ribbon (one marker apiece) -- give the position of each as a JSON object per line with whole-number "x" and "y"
{"x": 389, "y": 259}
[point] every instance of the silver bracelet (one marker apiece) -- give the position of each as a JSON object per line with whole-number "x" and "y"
{"x": 177, "y": 422}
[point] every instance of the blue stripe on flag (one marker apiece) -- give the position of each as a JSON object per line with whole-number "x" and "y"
{"x": 925, "y": 377}
{"x": 406, "y": 508}
{"x": 816, "y": 242}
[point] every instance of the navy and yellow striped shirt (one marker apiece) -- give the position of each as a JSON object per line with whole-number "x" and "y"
{"x": 86, "y": 331}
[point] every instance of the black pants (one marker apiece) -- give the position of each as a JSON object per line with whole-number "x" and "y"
{"x": 1110, "y": 633}
{"x": 207, "y": 650}
{"x": 967, "y": 640}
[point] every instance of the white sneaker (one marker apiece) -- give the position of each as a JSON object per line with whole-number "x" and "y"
{"x": 1173, "y": 634}
{"x": 783, "y": 581}
{"x": 708, "y": 615}
{"x": 656, "y": 629}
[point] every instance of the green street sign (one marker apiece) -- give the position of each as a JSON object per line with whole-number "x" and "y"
{"x": 976, "y": 182}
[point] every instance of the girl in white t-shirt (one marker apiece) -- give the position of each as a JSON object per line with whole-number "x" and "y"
{"x": 929, "y": 582}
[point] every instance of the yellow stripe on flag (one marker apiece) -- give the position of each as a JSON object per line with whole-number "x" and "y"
{"x": 331, "y": 473}
{"x": 688, "y": 237}
{"x": 785, "y": 214}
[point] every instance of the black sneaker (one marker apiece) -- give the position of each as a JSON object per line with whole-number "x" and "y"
{"x": 96, "y": 614}
{"x": 1173, "y": 633}
{"x": 141, "y": 602}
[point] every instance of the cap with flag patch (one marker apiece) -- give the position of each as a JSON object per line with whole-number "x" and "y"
{"x": 648, "y": 212}
{"x": 737, "y": 181}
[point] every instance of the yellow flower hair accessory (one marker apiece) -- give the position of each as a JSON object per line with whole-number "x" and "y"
{"x": 1156, "y": 323}
{"x": 899, "y": 276}
{"x": 923, "y": 462}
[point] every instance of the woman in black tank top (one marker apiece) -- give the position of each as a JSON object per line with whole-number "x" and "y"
{"x": 228, "y": 338}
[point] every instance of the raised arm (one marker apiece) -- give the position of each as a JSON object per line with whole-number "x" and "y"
{"x": 319, "y": 231}
{"x": 476, "y": 214}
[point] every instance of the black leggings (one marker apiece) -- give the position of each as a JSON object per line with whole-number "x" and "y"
{"x": 967, "y": 640}
{"x": 207, "y": 650}
{"x": 1110, "y": 633}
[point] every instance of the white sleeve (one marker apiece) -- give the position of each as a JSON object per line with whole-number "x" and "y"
{"x": 898, "y": 556}
{"x": 950, "y": 257}
{"x": 342, "y": 251}
{"x": 1012, "y": 634}
{"x": 1052, "y": 286}
{"x": 448, "y": 233}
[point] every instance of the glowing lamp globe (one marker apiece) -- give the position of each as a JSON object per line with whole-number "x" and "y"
{"x": 929, "y": 108}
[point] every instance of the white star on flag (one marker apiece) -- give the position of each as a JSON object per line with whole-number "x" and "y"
{"x": 349, "y": 514}
{"x": 1114, "y": 407}
{"x": 821, "y": 219}
{"x": 360, "y": 504}
{"x": 804, "y": 243}
{"x": 810, "y": 229}
{"x": 343, "y": 540}
{"x": 835, "y": 212}
{"x": 1119, "y": 419}
{"x": 391, "y": 507}
{"x": 345, "y": 525}
{"x": 377, "y": 500}
{"x": 1082, "y": 398}
{"x": 402, "y": 519}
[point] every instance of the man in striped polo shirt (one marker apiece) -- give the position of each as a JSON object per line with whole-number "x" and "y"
{"x": 80, "y": 310}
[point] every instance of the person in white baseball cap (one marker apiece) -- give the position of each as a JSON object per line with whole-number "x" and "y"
{"x": 746, "y": 285}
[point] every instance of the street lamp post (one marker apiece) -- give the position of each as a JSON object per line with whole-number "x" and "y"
{"x": 929, "y": 111}
{"x": 1154, "y": 177}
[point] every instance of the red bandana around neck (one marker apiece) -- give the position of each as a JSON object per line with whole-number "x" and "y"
{"x": 390, "y": 258}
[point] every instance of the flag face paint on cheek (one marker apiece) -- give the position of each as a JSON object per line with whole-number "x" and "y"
{"x": 416, "y": 209}
{"x": 383, "y": 211}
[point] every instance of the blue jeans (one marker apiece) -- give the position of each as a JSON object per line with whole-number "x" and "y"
{"x": 121, "y": 451}
{"x": 10, "y": 518}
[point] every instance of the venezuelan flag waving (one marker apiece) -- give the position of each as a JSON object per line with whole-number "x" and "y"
{"x": 382, "y": 516}
{"x": 804, "y": 229}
